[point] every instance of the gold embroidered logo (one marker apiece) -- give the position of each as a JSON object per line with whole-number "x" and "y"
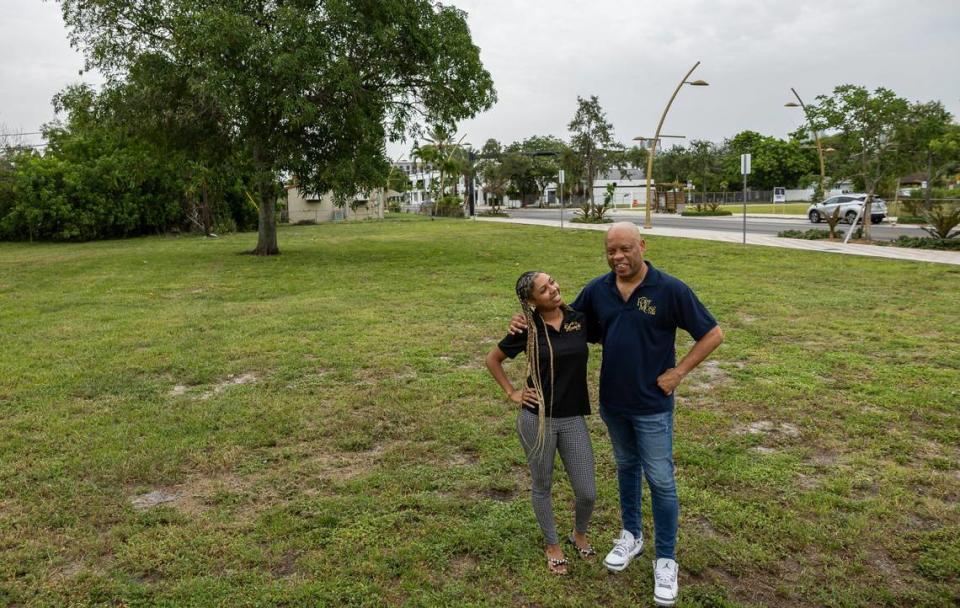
{"x": 646, "y": 305}
{"x": 571, "y": 326}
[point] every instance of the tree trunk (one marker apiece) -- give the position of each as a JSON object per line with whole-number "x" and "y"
{"x": 267, "y": 221}
{"x": 867, "y": 215}
{"x": 206, "y": 209}
{"x": 267, "y": 216}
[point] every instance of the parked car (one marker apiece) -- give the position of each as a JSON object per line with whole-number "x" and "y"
{"x": 849, "y": 205}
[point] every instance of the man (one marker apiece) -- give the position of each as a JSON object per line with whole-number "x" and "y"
{"x": 636, "y": 310}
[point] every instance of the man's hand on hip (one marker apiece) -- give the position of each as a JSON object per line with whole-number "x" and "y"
{"x": 669, "y": 380}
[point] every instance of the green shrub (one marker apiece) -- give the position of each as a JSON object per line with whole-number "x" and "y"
{"x": 813, "y": 234}
{"x": 926, "y": 242}
{"x": 942, "y": 222}
{"x": 590, "y": 220}
{"x": 448, "y": 206}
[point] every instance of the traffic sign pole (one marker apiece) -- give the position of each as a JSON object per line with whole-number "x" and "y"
{"x": 745, "y": 170}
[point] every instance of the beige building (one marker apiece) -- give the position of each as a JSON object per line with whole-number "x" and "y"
{"x": 314, "y": 208}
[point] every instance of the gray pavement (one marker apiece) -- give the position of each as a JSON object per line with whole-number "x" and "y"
{"x": 896, "y": 253}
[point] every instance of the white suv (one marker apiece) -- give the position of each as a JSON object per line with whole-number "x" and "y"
{"x": 849, "y": 205}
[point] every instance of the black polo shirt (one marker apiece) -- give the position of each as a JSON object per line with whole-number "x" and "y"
{"x": 639, "y": 336}
{"x": 570, "y": 355}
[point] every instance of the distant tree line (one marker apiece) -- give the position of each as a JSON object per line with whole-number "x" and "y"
{"x": 175, "y": 142}
{"x": 872, "y": 139}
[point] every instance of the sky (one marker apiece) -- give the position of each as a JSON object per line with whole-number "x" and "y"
{"x": 631, "y": 54}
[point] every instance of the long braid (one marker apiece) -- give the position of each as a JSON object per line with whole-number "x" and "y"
{"x": 524, "y": 293}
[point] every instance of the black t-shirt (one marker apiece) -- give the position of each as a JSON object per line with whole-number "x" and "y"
{"x": 639, "y": 336}
{"x": 570, "y": 355}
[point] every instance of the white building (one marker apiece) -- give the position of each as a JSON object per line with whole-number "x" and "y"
{"x": 421, "y": 177}
{"x": 306, "y": 207}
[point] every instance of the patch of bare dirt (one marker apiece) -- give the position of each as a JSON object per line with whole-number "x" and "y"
{"x": 768, "y": 428}
{"x": 463, "y": 459}
{"x": 500, "y": 494}
{"x": 149, "y": 500}
{"x": 463, "y": 564}
{"x": 406, "y": 374}
{"x": 706, "y": 528}
{"x": 66, "y": 572}
{"x": 892, "y": 575}
{"x": 231, "y": 380}
{"x": 751, "y": 589}
{"x": 824, "y": 458}
{"x": 366, "y": 376}
{"x": 193, "y": 495}
{"x": 806, "y": 482}
{"x": 340, "y": 466}
{"x": 178, "y": 390}
{"x": 286, "y": 566}
{"x": 706, "y": 376}
{"x": 919, "y": 523}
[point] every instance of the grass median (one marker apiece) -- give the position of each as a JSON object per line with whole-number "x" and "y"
{"x": 184, "y": 425}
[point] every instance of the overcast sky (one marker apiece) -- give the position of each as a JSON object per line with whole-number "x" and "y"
{"x": 630, "y": 53}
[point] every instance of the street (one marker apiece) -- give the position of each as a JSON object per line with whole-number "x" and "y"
{"x": 755, "y": 224}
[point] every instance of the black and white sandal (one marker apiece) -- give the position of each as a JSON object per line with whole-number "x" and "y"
{"x": 554, "y": 564}
{"x": 585, "y": 552}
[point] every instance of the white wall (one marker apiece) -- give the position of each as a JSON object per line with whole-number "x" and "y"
{"x": 321, "y": 209}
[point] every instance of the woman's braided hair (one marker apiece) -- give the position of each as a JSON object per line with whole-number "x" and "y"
{"x": 525, "y": 294}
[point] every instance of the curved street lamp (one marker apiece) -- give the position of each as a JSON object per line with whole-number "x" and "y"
{"x": 656, "y": 137}
{"x": 816, "y": 136}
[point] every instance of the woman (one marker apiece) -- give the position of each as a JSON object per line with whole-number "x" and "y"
{"x": 552, "y": 406}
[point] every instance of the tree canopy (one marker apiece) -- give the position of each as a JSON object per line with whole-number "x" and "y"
{"x": 310, "y": 89}
{"x": 592, "y": 140}
{"x": 870, "y": 130}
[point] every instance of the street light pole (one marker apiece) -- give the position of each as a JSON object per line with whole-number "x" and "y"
{"x": 816, "y": 136}
{"x": 656, "y": 137}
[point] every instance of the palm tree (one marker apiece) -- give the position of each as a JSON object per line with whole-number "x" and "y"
{"x": 441, "y": 152}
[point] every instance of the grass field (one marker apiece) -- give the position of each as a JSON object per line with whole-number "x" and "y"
{"x": 893, "y": 208}
{"x": 319, "y": 430}
{"x": 779, "y": 208}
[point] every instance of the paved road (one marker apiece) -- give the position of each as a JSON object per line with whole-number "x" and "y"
{"x": 755, "y": 225}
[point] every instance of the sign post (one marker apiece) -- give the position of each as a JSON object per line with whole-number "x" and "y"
{"x": 745, "y": 171}
{"x": 560, "y": 179}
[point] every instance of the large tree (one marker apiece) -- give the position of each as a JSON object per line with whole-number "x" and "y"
{"x": 544, "y": 153}
{"x": 775, "y": 162}
{"x": 934, "y": 141}
{"x": 308, "y": 88}
{"x": 592, "y": 139}
{"x": 870, "y": 129}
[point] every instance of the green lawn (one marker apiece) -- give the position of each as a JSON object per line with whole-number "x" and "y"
{"x": 779, "y": 208}
{"x": 325, "y": 434}
{"x": 893, "y": 208}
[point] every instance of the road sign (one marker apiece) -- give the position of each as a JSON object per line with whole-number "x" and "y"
{"x": 561, "y": 176}
{"x": 744, "y": 164}
{"x": 779, "y": 195}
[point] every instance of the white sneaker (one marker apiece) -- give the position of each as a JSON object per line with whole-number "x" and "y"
{"x": 624, "y": 550}
{"x": 665, "y": 586}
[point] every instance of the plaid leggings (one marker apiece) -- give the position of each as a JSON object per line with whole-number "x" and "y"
{"x": 570, "y": 437}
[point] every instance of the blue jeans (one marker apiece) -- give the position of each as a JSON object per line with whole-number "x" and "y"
{"x": 643, "y": 444}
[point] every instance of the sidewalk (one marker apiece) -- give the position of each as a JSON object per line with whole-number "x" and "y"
{"x": 895, "y": 253}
